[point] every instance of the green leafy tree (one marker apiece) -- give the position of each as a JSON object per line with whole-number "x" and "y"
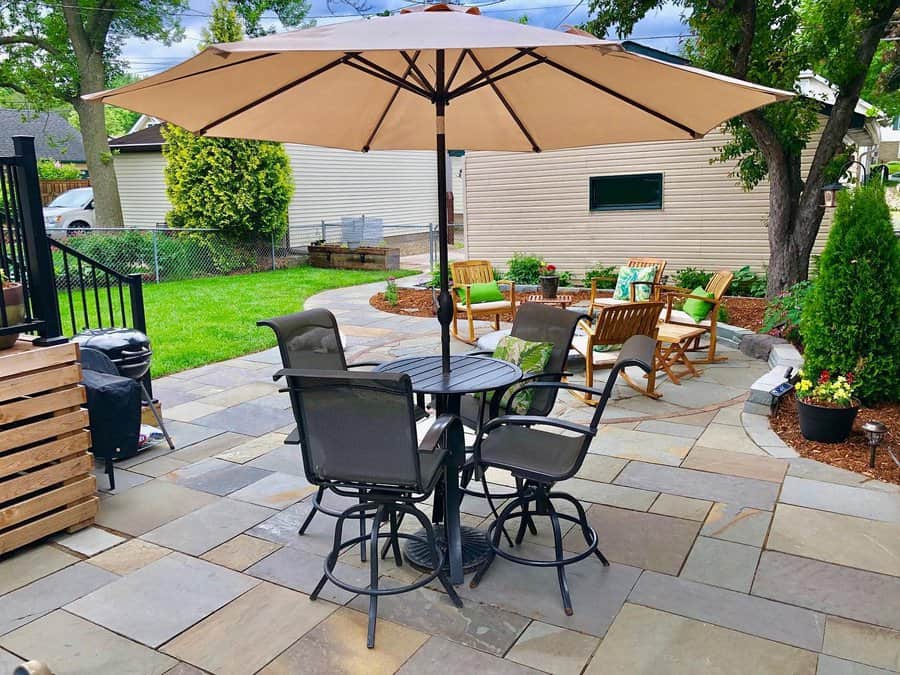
{"x": 849, "y": 322}
{"x": 241, "y": 186}
{"x": 771, "y": 42}
{"x": 55, "y": 51}
{"x": 49, "y": 169}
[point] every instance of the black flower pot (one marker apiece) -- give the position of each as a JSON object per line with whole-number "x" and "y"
{"x": 825, "y": 425}
{"x": 549, "y": 286}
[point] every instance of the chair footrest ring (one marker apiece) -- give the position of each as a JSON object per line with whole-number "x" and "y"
{"x": 591, "y": 546}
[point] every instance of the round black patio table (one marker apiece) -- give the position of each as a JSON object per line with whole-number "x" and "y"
{"x": 467, "y": 547}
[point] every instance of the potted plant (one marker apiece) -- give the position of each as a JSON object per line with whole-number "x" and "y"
{"x": 549, "y": 280}
{"x": 14, "y": 301}
{"x": 826, "y": 406}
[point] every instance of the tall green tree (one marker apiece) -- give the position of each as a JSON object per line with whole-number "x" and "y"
{"x": 240, "y": 186}
{"x": 771, "y": 42}
{"x": 54, "y": 51}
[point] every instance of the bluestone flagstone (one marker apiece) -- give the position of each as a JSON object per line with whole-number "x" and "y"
{"x": 216, "y": 476}
{"x": 851, "y": 501}
{"x": 89, "y": 541}
{"x": 52, "y": 592}
{"x": 148, "y": 506}
{"x": 722, "y": 563}
{"x": 203, "y": 529}
{"x": 681, "y": 507}
{"x": 284, "y": 459}
{"x": 162, "y": 599}
{"x": 31, "y": 563}
{"x": 247, "y": 418}
{"x": 739, "y": 524}
{"x": 277, "y": 490}
{"x": 435, "y": 655}
{"x": 735, "y": 464}
{"x": 863, "y": 643}
{"x": 553, "y": 649}
{"x": 832, "y": 589}
{"x": 829, "y": 665}
{"x": 301, "y": 570}
{"x": 730, "y": 609}
{"x": 699, "y": 485}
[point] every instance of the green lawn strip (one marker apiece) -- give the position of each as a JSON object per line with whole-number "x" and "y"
{"x": 198, "y": 321}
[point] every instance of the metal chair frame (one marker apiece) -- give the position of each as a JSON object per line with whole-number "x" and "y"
{"x": 537, "y": 487}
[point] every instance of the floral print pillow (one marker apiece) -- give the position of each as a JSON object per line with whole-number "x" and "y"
{"x": 532, "y": 358}
{"x": 627, "y": 275}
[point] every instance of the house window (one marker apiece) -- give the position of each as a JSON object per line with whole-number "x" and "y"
{"x": 626, "y": 193}
{"x": 896, "y": 123}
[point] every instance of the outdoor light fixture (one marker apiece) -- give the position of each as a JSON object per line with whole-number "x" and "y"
{"x": 829, "y": 191}
{"x": 875, "y": 432}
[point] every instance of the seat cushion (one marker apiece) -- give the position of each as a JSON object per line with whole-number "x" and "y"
{"x": 532, "y": 451}
{"x": 499, "y": 306}
{"x": 683, "y": 317}
{"x": 599, "y": 358}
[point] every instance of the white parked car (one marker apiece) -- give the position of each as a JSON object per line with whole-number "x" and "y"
{"x": 72, "y": 210}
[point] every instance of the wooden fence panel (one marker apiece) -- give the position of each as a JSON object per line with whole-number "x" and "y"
{"x": 50, "y": 189}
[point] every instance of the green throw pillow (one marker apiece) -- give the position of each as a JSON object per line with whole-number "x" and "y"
{"x": 531, "y": 357}
{"x": 478, "y": 293}
{"x": 698, "y": 309}
{"x": 627, "y": 275}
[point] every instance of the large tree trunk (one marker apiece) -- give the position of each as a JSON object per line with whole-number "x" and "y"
{"x": 100, "y": 164}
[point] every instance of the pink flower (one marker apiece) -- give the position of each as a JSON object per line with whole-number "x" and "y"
{"x": 824, "y": 377}
{"x": 851, "y": 378}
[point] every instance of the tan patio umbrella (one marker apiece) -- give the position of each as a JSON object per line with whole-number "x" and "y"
{"x": 434, "y": 77}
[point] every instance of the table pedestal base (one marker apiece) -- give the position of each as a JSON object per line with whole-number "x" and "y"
{"x": 475, "y": 549}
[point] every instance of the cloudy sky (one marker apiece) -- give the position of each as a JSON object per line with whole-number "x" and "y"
{"x": 662, "y": 30}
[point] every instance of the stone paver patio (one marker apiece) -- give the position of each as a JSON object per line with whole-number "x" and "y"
{"x": 725, "y": 558}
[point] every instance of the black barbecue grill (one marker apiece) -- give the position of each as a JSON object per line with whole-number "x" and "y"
{"x": 130, "y": 351}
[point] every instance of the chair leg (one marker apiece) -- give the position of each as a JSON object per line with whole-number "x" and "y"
{"x": 393, "y": 541}
{"x": 373, "y": 576}
{"x": 496, "y": 322}
{"x": 331, "y": 560}
{"x": 471, "y": 327}
{"x": 560, "y": 569}
{"x": 315, "y": 507}
{"x": 432, "y": 546}
{"x": 523, "y": 522}
{"x": 362, "y": 533}
{"x": 490, "y": 502}
{"x": 520, "y": 485}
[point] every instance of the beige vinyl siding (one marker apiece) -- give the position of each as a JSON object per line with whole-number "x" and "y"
{"x": 142, "y": 188}
{"x": 398, "y": 187}
{"x": 538, "y": 203}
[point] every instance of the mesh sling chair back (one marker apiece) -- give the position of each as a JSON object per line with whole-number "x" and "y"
{"x": 534, "y": 451}
{"x": 358, "y": 438}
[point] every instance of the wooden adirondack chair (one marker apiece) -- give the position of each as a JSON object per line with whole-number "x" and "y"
{"x": 660, "y": 264}
{"x": 614, "y": 326}
{"x": 468, "y": 272}
{"x": 718, "y": 285}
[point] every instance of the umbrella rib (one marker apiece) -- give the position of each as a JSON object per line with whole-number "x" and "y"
{"x": 509, "y": 108}
{"x": 456, "y": 67}
{"x": 497, "y": 78}
{"x": 273, "y": 94}
{"x": 615, "y": 94}
{"x": 382, "y": 73}
{"x": 414, "y": 69}
{"x": 485, "y": 74}
{"x": 387, "y": 108}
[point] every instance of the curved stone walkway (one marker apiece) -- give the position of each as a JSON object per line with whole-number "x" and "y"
{"x": 725, "y": 558}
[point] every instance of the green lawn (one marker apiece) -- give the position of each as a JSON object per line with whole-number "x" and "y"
{"x": 199, "y": 321}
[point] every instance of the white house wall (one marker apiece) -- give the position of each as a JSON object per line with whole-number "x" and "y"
{"x": 397, "y": 186}
{"x": 142, "y": 188}
{"x": 538, "y": 203}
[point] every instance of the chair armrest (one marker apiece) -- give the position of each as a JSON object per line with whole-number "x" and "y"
{"x": 293, "y": 438}
{"x": 500, "y": 392}
{"x": 537, "y": 420}
{"x": 479, "y": 352}
{"x": 441, "y": 425}
{"x": 632, "y": 293}
{"x": 549, "y": 385}
{"x": 363, "y": 364}
{"x": 586, "y": 326}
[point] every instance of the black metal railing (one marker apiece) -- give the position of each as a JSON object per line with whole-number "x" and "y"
{"x": 56, "y": 283}
{"x": 92, "y": 295}
{"x": 28, "y": 301}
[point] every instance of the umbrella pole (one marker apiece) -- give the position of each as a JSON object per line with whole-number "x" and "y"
{"x": 445, "y": 302}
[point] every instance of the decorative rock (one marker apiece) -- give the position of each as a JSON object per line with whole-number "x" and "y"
{"x": 759, "y": 346}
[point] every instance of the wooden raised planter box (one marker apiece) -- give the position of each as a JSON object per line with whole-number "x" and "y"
{"x": 362, "y": 258}
{"x": 46, "y": 471}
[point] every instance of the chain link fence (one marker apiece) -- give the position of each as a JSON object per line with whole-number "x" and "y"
{"x": 167, "y": 254}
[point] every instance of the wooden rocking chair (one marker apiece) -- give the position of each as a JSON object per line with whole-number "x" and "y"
{"x": 614, "y": 326}
{"x": 468, "y": 272}
{"x": 660, "y": 264}
{"x": 718, "y": 285}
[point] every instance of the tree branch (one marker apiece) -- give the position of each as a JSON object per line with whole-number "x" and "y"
{"x": 844, "y": 106}
{"x": 33, "y": 40}
{"x": 747, "y": 11}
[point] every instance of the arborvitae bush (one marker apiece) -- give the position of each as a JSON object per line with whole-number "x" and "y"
{"x": 851, "y": 322}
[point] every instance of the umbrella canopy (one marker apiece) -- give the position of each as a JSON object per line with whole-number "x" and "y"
{"x": 434, "y": 77}
{"x": 370, "y": 84}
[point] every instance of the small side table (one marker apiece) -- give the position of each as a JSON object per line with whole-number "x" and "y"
{"x": 673, "y": 341}
{"x": 561, "y": 300}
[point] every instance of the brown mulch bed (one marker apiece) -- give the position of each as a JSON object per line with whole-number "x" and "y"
{"x": 417, "y": 302}
{"x": 743, "y": 312}
{"x": 853, "y": 454}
